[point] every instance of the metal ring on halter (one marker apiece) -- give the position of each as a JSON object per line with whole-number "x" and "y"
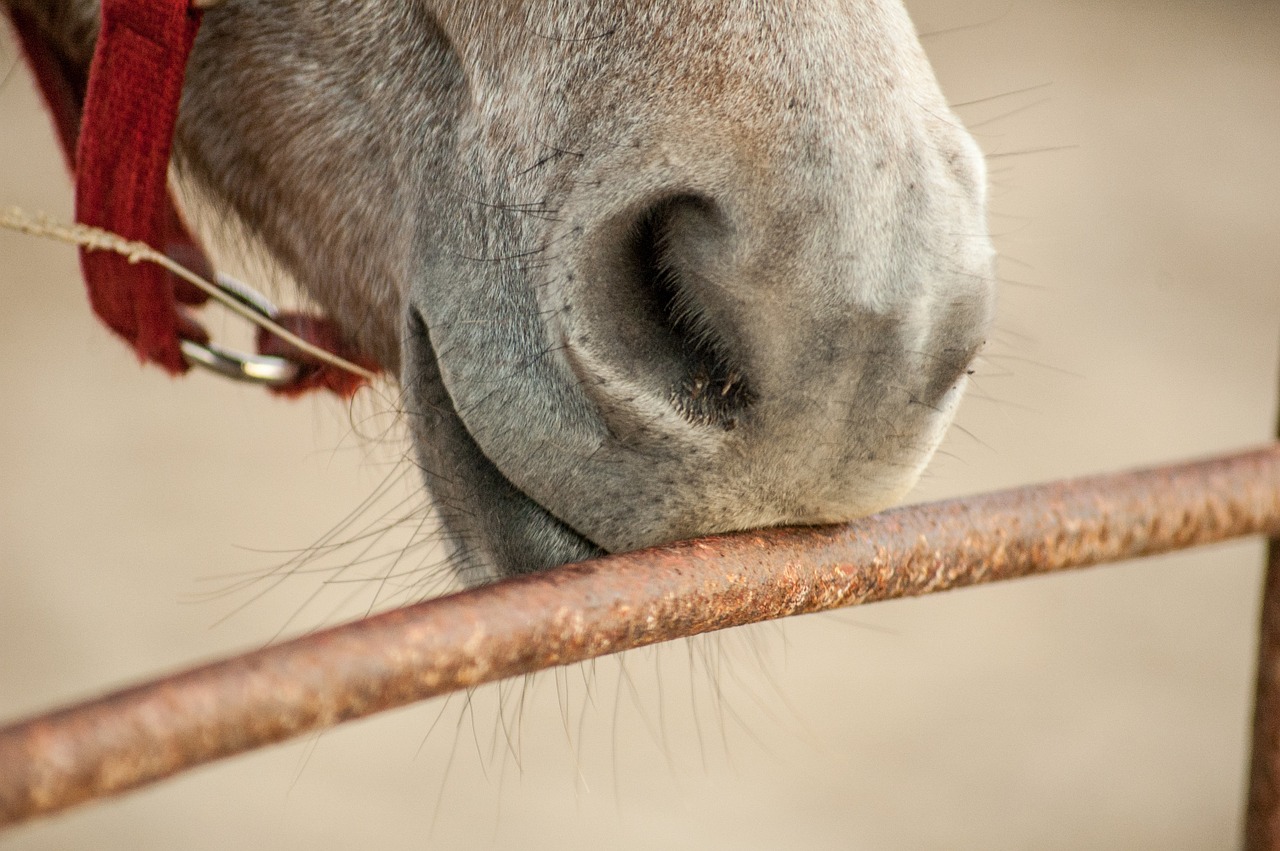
{"x": 238, "y": 366}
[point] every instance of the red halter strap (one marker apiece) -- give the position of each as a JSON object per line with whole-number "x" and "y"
{"x": 121, "y": 130}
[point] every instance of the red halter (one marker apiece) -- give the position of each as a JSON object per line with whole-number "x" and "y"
{"x": 116, "y": 136}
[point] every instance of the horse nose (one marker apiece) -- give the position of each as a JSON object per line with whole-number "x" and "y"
{"x": 769, "y": 351}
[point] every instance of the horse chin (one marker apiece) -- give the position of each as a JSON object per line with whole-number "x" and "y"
{"x": 495, "y": 528}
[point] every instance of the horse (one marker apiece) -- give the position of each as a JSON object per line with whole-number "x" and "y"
{"x": 921, "y": 720}
{"x": 643, "y": 271}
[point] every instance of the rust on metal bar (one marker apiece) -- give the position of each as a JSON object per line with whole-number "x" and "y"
{"x": 578, "y": 612}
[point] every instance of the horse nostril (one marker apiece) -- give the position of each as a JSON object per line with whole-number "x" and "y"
{"x": 673, "y": 289}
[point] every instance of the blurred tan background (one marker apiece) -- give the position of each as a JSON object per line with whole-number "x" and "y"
{"x": 1135, "y": 162}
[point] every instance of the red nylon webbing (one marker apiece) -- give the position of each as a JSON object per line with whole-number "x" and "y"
{"x": 122, "y": 164}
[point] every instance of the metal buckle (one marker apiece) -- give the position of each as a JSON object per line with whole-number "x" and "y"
{"x": 238, "y": 366}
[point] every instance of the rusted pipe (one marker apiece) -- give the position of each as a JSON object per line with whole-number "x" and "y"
{"x": 1262, "y": 813}
{"x": 140, "y": 735}
{"x": 1262, "y": 817}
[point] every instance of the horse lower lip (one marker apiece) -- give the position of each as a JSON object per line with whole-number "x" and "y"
{"x": 503, "y": 526}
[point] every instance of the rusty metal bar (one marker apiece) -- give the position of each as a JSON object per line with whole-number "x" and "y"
{"x": 1262, "y": 813}
{"x": 140, "y": 735}
{"x": 1262, "y": 818}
